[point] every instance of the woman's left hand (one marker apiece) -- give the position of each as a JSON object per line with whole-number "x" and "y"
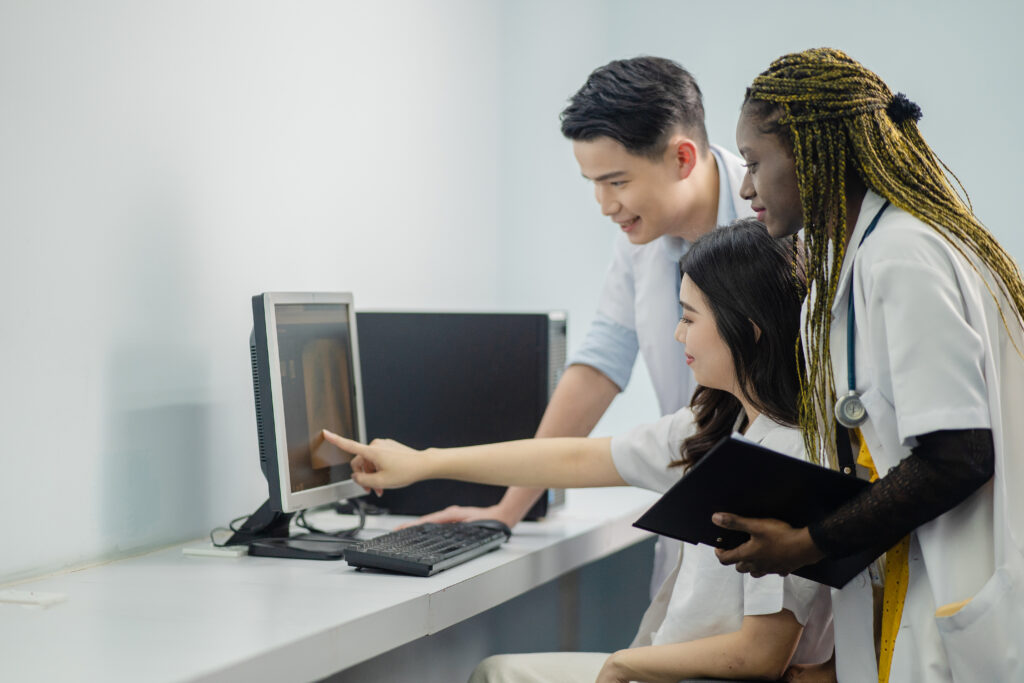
{"x": 774, "y": 547}
{"x": 612, "y": 671}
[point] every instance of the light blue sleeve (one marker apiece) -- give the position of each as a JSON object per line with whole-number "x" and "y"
{"x": 610, "y": 348}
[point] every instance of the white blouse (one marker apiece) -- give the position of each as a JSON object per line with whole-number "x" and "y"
{"x": 702, "y": 597}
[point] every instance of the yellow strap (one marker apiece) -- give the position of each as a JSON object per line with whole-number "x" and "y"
{"x": 897, "y": 573}
{"x": 864, "y": 457}
{"x": 952, "y": 608}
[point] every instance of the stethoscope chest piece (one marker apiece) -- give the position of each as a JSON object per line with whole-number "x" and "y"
{"x": 850, "y": 411}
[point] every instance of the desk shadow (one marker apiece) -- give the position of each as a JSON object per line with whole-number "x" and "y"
{"x": 155, "y": 462}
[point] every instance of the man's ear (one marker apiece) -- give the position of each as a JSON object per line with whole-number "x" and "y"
{"x": 685, "y": 151}
{"x": 757, "y": 330}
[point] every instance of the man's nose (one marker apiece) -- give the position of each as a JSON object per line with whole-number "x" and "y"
{"x": 609, "y": 204}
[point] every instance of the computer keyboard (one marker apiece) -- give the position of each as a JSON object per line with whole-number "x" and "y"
{"x": 426, "y": 549}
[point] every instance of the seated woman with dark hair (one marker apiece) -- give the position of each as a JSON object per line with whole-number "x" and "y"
{"x": 741, "y": 294}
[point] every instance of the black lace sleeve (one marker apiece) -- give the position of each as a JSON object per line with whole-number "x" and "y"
{"x": 941, "y": 472}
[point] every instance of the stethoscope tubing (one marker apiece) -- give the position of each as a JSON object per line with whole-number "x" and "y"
{"x": 849, "y": 409}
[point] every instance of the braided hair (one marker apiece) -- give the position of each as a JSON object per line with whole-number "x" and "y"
{"x": 842, "y": 122}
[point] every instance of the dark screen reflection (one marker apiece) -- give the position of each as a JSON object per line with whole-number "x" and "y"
{"x": 316, "y": 384}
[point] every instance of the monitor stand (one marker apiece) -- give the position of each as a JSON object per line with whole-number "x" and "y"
{"x": 267, "y": 533}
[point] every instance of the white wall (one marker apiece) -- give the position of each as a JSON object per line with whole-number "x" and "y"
{"x": 960, "y": 61}
{"x": 162, "y": 162}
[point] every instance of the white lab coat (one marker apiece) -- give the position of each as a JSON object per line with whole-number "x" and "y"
{"x": 932, "y": 353}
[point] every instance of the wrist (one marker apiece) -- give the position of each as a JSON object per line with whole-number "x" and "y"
{"x": 506, "y": 512}
{"x": 619, "y": 665}
{"x": 810, "y": 553}
{"x": 516, "y": 502}
{"x": 430, "y": 465}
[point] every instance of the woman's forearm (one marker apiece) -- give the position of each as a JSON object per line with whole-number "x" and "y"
{"x": 942, "y": 471}
{"x": 559, "y": 463}
{"x": 761, "y": 650}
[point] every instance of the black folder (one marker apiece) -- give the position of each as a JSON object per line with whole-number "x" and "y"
{"x": 746, "y": 479}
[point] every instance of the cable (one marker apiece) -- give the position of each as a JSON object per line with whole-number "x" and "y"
{"x": 300, "y": 520}
{"x": 230, "y": 527}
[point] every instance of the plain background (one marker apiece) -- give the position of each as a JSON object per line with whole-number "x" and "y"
{"x": 162, "y": 162}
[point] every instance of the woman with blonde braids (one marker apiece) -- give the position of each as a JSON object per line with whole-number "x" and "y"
{"x": 913, "y": 338}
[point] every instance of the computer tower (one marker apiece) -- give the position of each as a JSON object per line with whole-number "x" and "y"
{"x": 457, "y": 379}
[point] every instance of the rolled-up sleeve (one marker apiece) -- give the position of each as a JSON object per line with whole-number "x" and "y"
{"x": 919, "y": 330}
{"x": 611, "y": 344}
{"x": 610, "y": 348}
{"x": 644, "y": 454}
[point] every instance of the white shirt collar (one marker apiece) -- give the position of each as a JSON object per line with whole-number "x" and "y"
{"x": 674, "y": 247}
{"x": 868, "y": 208}
{"x": 726, "y": 204}
{"x": 758, "y": 429}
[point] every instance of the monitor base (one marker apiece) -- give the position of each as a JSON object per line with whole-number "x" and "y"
{"x": 267, "y": 533}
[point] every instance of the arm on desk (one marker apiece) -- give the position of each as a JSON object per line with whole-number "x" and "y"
{"x": 578, "y": 402}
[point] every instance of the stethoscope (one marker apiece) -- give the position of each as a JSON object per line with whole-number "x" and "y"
{"x": 850, "y": 410}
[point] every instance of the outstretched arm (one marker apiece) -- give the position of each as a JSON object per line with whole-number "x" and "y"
{"x": 760, "y": 650}
{"x": 578, "y": 402}
{"x": 564, "y": 463}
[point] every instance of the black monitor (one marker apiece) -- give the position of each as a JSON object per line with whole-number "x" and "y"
{"x": 457, "y": 379}
{"x": 306, "y": 377}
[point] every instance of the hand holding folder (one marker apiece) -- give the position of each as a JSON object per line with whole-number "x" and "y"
{"x": 774, "y": 547}
{"x": 748, "y": 480}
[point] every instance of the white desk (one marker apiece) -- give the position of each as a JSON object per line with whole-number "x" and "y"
{"x": 168, "y": 617}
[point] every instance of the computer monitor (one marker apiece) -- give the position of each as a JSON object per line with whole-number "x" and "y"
{"x": 306, "y": 377}
{"x": 444, "y": 379}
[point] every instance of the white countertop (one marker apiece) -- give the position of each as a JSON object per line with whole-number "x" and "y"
{"x": 165, "y": 616}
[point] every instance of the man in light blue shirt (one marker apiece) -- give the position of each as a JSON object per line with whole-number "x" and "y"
{"x": 637, "y": 128}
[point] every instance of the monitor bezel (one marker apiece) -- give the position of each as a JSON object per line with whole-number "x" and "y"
{"x": 330, "y": 493}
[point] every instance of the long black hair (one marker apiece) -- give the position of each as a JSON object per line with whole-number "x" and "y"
{"x": 749, "y": 279}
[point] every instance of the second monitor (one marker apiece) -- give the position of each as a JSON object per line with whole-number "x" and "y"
{"x": 457, "y": 379}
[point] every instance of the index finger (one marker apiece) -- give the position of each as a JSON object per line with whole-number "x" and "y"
{"x": 343, "y": 443}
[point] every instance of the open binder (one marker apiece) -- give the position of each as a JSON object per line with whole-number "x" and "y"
{"x": 743, "y": 478}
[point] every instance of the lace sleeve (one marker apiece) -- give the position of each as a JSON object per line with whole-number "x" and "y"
{"x": 941, "y": 472}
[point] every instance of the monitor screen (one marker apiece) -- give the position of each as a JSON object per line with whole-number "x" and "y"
{"x": 306, "y": 378}
{"x": 444, "y": 379}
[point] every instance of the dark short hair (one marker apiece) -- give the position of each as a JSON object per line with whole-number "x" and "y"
{"x": 638, "y": 103}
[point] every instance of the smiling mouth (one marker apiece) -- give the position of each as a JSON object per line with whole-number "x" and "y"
{"x": 629, "y": 225}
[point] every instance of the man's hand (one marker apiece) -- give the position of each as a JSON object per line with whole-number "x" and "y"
{"x": 774, "y": 547}
{"x": 460, "y": 513}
